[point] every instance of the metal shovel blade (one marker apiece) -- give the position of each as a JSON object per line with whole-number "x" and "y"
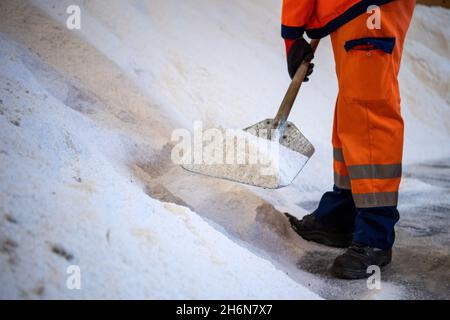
{"x": 276, "y": 166}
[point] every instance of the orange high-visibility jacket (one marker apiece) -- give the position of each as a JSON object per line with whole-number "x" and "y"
{"x": 319, "y": 18}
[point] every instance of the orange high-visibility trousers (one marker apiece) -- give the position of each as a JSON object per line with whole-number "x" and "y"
{"x": 368, "y": 126}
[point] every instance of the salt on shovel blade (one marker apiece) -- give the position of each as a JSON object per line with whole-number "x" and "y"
{"x": 275, "y": 170}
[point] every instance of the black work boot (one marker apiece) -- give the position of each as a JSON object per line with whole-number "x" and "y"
{"x": 354, "y": 262}
{"x": 309, "y": 228}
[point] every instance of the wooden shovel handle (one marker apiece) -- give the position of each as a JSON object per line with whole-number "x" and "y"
{"x": 291, "y": 94}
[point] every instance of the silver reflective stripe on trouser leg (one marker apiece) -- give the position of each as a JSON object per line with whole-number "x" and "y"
{"x": 379, "y": 199}
{"x": 340, "y": 181}
{"x": 375, "y": 171}
{"x": 338, "y": 155}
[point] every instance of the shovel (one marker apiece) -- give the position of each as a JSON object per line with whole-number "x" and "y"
{"x": 294, "y": 149}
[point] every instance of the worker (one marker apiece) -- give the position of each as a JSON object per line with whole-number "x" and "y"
{"x": 367, "y": 38}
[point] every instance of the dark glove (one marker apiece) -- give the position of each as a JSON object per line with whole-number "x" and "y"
{"x": 300, "y": 51}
